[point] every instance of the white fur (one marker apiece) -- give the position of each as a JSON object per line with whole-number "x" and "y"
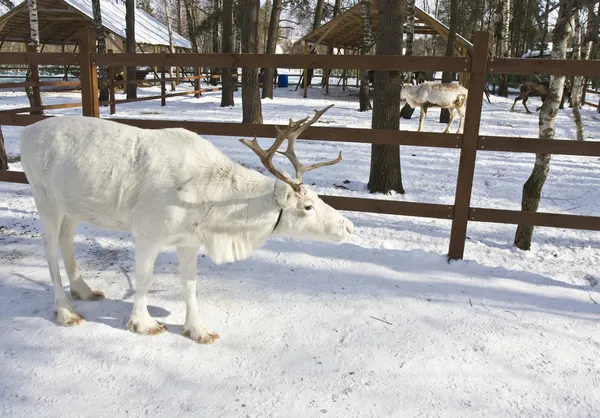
{"x": 426, "y": 95}
{"x": 168, "y": 187}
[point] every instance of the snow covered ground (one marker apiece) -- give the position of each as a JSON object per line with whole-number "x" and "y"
{"x": 380, "y": 326}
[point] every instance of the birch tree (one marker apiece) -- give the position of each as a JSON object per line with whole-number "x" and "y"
{"x": 504, "y": 50}
{"x": 577, "y": 80}
{"x": 532, "y": 190}
{"x": 271, "y": 47}
{"x": 447, "y": 75}
{"x": 171, "y": 46}
{"x": 367, "y": 41}
{"x": 33, "y": 93}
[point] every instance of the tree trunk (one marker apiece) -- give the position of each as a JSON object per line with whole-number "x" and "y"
{"x": 33, "y": 93}
{"x": 271, "y": 48}
{"x": 545, "y": 29}
{"x": 3, "y": 158}
{"x": 130, "y": 45}
{"x": 215, "y": 40}
{"x": 100, "y": 48}
{"x": 171, "y": 46}
{"x": 179, "y": 19}
{"x": 251, "y": 105}
{"x": 227, "y": 47}
{"x": 447, "y": 75}
{"x": 367, "y": 41}
{"x": 532, "y": 190}
{"x": 504, "y": 49}
{"x": 318, "y": 14}
{"x": 190, "y": 18}
{"x": 326, "y": 72}
{"x": 408, "y": 111}
{"x": 577, "y": 80}
{"x": 385, "y": 175}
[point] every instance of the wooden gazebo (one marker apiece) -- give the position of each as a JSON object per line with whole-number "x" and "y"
{"x": 346, "y": 32}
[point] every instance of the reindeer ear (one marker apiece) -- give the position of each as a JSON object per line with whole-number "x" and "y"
{"x": 285, "y": 195}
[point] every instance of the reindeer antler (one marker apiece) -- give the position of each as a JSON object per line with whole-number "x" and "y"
{"x": 291, "y": 132}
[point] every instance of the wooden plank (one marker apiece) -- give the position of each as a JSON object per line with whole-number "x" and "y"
{"x": 390, "y": 207}
{"x": 40, "y": 108}
{"x": 529, "y": 66}
{"x": 297, "y": 61}
{"x": 41, "y": 84}
{"x": 515, "y": 217}
{"x": 466, "y": 167}
{"x": 13, "y": 177}
{"x": 352, "y": 135}
{"x": 88, "y": 74}
{"x": 39, "y": 58}
{"x": 534, "y": 145}
{"x": 156, "y": 97}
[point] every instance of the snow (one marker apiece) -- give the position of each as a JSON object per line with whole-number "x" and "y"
{"x": 379, "y": 326}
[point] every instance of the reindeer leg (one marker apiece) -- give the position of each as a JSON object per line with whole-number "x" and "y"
{"x": 461, "y": 114}
{"x": 422, "y": 115}
{"x": 452, "y": 113}
{"x": 525, "y": 104}
{"x": 512, "y": 109}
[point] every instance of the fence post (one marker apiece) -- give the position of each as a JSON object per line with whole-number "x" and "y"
{"x": 163, "y": 87}
{"x": 197, "y": 94}
{"x": 88, "y": 73}
{"x": 35, "y": 88}
{"x": 111, "y": 88}
{"x": 466, "y": 166}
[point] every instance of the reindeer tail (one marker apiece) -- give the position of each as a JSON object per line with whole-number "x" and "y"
{"x": 460, "y": 100}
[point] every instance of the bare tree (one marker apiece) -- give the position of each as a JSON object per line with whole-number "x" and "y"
{"x": 577, "y": 81}
{"x": 100, "y": 48}
{"x": 171, "y": 46}
{"x": 271, "y": 48}
{"x": 3, "y": 158}
{"x": 532, "y": 190}
{"x": 504, "y": 50}
{"x": 365, "y": 46}
{"x": 227, "y": 47}
{"x": 385, "y": 175}
{"x": 447, "y": 75}
{"x": 130, "y": 46}
{"x": 251, "y": 105}
{"x": 33, "y": 93}
{"x": 407, "y": 111}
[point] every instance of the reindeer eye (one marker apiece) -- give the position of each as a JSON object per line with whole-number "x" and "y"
{"x": 308, "y": 207}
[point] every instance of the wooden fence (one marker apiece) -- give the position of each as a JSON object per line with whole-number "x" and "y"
{"x": 470, "y": 142}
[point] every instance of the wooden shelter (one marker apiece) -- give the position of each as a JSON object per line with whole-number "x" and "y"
{"x": 60, "y": 20}
{"x": 346, "y": 32}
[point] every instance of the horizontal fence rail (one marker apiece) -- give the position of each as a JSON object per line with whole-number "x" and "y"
{"x": 470, "y": 142}
{"x": 350, "y": 62}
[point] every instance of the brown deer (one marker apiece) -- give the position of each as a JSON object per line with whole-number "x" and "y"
{"x": 531, "y": 88}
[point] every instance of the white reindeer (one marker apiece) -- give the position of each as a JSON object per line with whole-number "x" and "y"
{"x": 167, "y": 187}
{"x": 426, "y": 95}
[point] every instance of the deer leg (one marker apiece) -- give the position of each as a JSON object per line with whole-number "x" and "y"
{"x": 537, "y": 109}
{"x": 146, "y": 250}
{"x": 525, "y": 104}
{"x": 188, "y": 266}
{"x": 422, "y": 115}
{"x": 461, "y": 114}
{"x": 51, "y": 218}
{"x": 451, "y": 109}
{"x": 79, "y": 288}
{"x": 512, "y": 109}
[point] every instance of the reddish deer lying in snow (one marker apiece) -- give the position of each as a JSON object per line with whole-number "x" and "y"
{"x": 167, "y": 187}
{"x": 426, "y": 95}
{"x": 531, "y": 88}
